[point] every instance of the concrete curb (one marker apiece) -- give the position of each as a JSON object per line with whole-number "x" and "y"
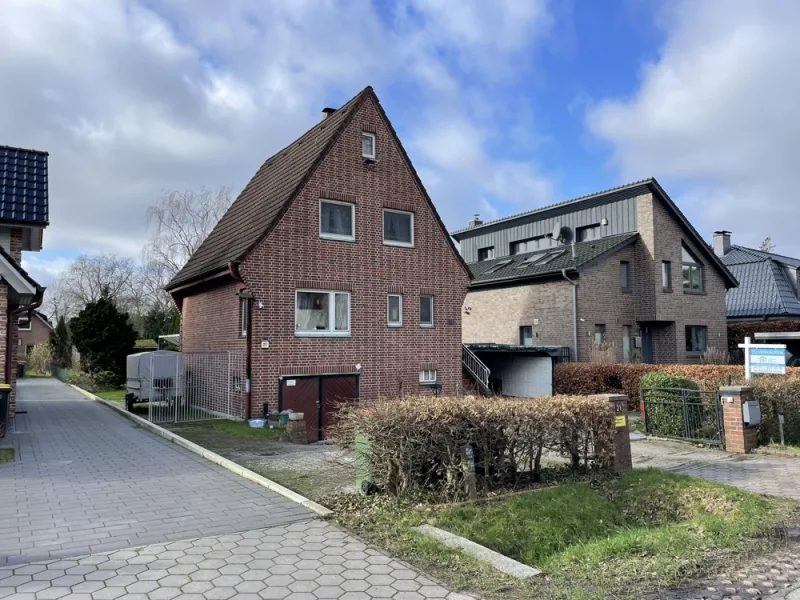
{"x": 212, "y": 456}
{"x": 502, "y": 563}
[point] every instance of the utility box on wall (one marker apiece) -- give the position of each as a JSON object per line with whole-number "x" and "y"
{"x": 751, "y": 413}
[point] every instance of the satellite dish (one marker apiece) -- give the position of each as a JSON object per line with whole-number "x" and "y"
{"x": 556, "y": 231}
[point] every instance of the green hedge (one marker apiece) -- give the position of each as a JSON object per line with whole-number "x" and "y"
{"x": 667, "y": 419}
{"x": 778, "y": 396}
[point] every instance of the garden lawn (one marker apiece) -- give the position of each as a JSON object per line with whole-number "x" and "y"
{"x": 236, "y": 429}
{"x": 621, "y": 537}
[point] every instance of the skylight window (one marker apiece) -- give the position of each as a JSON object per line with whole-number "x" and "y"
{"x": 498, "y": 266}
{"x": 540, "y": 258}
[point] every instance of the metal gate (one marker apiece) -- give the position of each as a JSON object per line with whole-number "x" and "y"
{"x": 195, "y": 386}
{"x": 685, "y": 414}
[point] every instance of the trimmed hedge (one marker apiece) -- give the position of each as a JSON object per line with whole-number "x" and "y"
{"x": 582, "y": 379}
{"x": 778, "y": 396}
{"x": 415, "y": 443}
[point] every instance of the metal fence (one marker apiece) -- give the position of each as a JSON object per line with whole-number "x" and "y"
{"x": 196, "y": 386}
{"x": 686, "y": 414}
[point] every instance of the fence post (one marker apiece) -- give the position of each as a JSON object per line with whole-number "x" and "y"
{"x": 738, "y": 438}
{"x": 623, "y": 460}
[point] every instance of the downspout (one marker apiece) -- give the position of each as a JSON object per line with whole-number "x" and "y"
{"x": 233, "y": 267}
{"x": 574, "y": 311}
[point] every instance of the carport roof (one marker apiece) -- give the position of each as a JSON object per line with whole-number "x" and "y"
{"x": 514, "y": 348}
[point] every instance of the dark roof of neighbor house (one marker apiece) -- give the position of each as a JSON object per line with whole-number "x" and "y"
{"x": 23, "y": 186}
{"x": 623, "y": 191}
{"x": 765, "y": 289}
{"x": 533, "y": 265}
{"x": 262, "y": 203}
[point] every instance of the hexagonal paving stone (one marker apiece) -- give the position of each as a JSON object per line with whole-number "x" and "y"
{"x": 250, "y": 587}
{"x": 220, "y": 593}
{"x": 275, "y": 593}
{"x": 108, "y": 593}
{"x": 142, "y": 587}
{"x": 164, "y": 593}
{"x": 197, "y": 587}
{"x": 328, "y": 591}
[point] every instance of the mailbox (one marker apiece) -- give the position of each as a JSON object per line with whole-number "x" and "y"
{"x": 751, "y": 413}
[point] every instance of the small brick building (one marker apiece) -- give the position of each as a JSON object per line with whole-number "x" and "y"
{"x": 333, "y": 272}
{"x": 23, "y": 218}
{"x": 621, "y": 272}
{"x": 34, "y": 328}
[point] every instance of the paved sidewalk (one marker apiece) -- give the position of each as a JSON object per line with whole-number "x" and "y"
{"x": 88, "y": 480}
{"x": 759, "y": 473}
{"x": 303, "y": 561}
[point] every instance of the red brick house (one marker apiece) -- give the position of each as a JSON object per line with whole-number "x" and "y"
{"x": 334, "y": 273}
{"x": 34, "y": 328}
{"x": 23, "y": 218}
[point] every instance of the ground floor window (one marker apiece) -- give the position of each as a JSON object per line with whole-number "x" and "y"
{"x": 599, "y": 334}
{"x": 427, "y": 376}
{"x": 626, "y": 343}
{"x": 526, "y": 335}
{"x": 319, "y": 312}
{"x": 696, "y": 339}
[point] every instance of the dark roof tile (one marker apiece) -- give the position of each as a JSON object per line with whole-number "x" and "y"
{"x": 764, "y": 287}
{"x": 509, "y": 269}
{"x": 23, "y": 186}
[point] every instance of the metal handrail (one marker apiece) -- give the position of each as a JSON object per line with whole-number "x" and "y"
{"x": 475, "y": 366}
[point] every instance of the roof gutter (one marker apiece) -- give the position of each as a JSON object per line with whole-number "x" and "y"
{"x": 233, "y": 269}
{"x": 574, "y": 311}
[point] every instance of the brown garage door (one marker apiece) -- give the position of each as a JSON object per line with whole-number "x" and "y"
{"x": 318, "y": 398}
{"x": 301, "y": 394}
{"x": 336, "y": 390}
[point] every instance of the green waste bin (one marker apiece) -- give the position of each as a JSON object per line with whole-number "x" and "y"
{"x": 5, "y": 405}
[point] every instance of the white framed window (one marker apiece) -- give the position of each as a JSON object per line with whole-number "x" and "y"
{"x": 24, "y": 324}
{"x": 243, "y": 316}
{"x": 337, "y": 220}
{"x": 427, "y": 376}
{"x": 394, "y": 309}
{"x": 322, "y": 313}
{"x": 398, "y": 228}
{"x": 426, "y": 311}
{"x": 368, "y": 145}
{"x": 485, "y": 253}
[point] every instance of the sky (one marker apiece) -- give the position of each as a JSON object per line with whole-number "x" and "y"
{"x": 503, "y": 106}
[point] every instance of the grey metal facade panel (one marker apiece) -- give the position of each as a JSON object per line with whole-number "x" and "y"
{"x": 621, "y": 215}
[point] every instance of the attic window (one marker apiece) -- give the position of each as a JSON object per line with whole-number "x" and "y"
{"x": 498, "y": 266}
{"x": 540, "y": 258}
{"x": 693, "y": 279}
{"x": 368, "y": 145}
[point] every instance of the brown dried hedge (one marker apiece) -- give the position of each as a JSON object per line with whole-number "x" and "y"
{"x": 578, "y": 379}
{"x": 778, "y": 396}
{"x": 415, "y": 443}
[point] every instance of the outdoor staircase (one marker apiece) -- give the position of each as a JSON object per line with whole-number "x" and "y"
{"x": 475, "y": 368}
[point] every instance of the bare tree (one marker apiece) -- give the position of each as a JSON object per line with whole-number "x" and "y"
{"x": 58, "y": 302}
{"x": 179, "y": 222}
{"x": 83, "y": 281}
{"x": 767, "y": 245}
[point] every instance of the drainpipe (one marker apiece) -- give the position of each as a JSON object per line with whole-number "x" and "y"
{"x": 233, "y": 267}
{"x": 574, "y": 311}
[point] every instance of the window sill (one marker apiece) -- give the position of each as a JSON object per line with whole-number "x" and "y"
{"x": 666, "y": 290}
{"x": 325, "y": 334}
{"x": 426, "y": 326}
{"x": 336, "y": 238}
{"x": 428, "y": 383}
{"x": 626, "y": 290}
{"x": 397, "y": 244}
{"x": 694, "y": 354}
{"x": 695, "y": 292}
{"x": 394, "y": 325}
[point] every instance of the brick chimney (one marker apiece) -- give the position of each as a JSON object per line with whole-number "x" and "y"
{"x": 475, "y": 221}
{"x": 722, "y": 242}
{"x": 327, "y": 112}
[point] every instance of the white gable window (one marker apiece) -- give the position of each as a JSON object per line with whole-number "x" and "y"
{"x": 337, "y": 220}
{"x": 368, "y": 145}
{"x": 322, "y": 313}
{"x": 395, "y": 310}
{"x": 398, "y": 228}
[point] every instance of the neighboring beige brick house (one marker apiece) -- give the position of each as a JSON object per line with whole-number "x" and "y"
{"x": 621, "y": 272}
{"x": 334, "y": 273}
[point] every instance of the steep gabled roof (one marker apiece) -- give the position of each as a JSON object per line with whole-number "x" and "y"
{"x": 23, "y": 186}
{"x": 518, "y": 267}
{"x": 764, "y": 289}
{"x": 262, "y": 203}
{"x": 629, "y": 190}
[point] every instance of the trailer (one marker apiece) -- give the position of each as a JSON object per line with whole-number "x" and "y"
{"x": 153, "y": 377}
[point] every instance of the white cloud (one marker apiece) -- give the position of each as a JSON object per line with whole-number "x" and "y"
{"x": 132, "y": 97}
{"x": 715, "y": 116}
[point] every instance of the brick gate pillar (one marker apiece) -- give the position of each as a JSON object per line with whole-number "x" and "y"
{"x": 622, "y": 437}
{"x": 738, "y": 438}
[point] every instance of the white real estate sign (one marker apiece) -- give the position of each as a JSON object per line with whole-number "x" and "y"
{"x": 763, "y": 358}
